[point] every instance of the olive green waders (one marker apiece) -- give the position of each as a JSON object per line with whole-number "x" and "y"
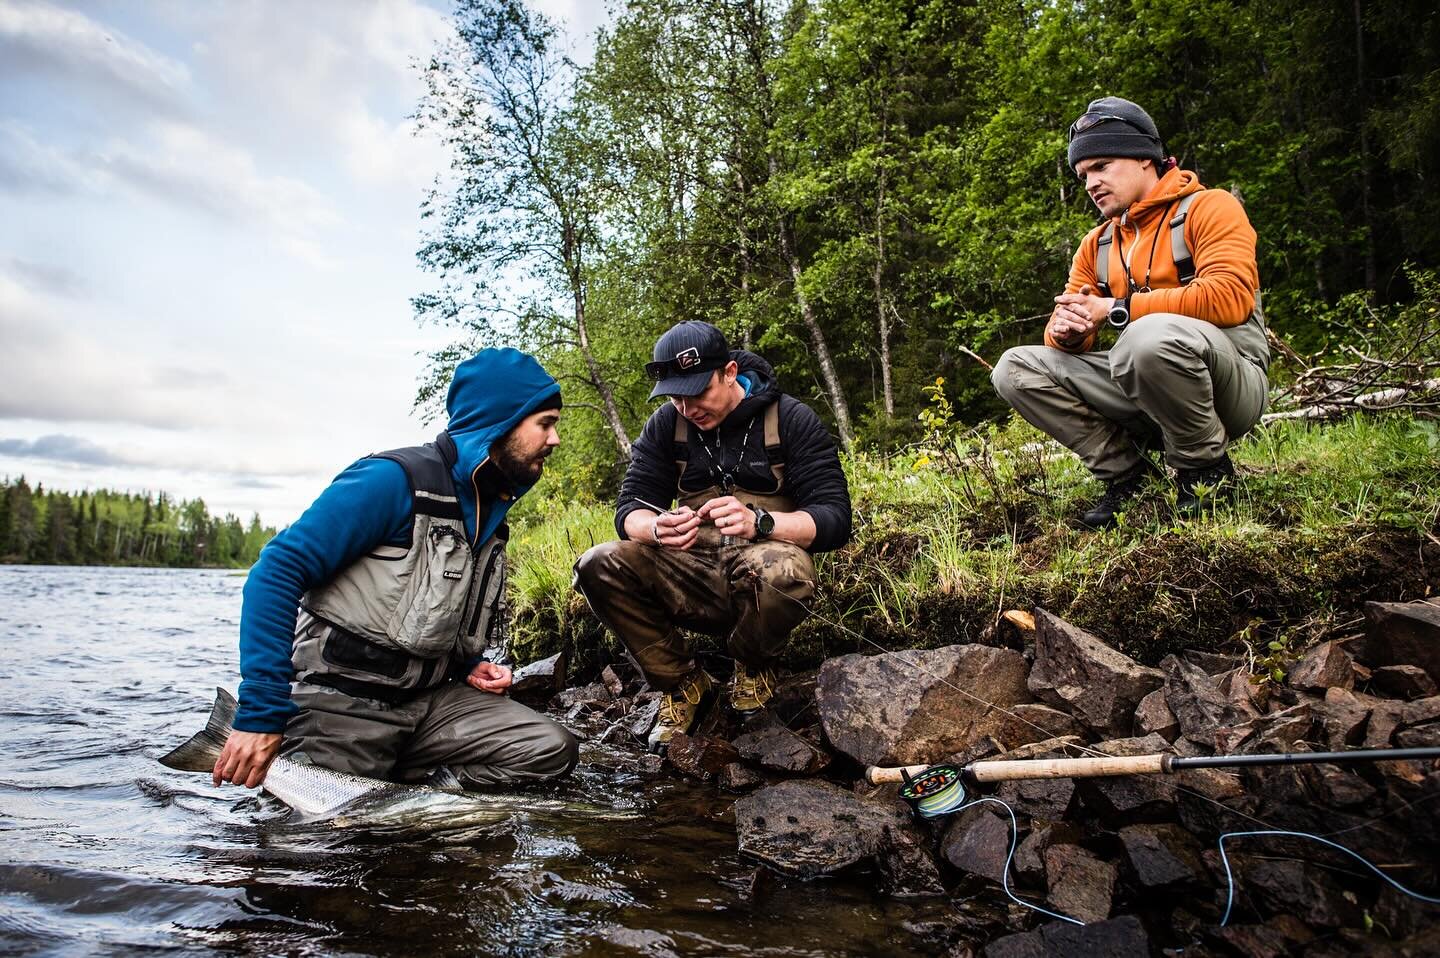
{"x": 752, "y": 592}
{"x": 1196, "y": 384}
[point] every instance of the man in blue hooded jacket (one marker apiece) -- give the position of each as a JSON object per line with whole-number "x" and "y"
{"x": 398, "y": 574}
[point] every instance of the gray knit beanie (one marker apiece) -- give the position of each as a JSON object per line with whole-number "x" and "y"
{"x": 1114, "y": 127}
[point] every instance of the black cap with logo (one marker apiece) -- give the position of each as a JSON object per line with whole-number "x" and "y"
{"x": 685, "y": 357}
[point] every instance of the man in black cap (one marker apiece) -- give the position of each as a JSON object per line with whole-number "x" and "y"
{"x": 759, "y": 488}
{"x": 1172, "y": 273}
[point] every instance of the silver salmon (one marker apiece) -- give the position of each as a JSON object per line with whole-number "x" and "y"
{"x": 353, "y": 800}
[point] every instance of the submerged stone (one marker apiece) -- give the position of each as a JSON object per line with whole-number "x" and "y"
{"x": 808, "y": 828}
{"x": 1122, "y": 937}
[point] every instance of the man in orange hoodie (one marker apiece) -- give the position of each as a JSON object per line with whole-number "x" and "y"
{"x": 1172, "y": 271}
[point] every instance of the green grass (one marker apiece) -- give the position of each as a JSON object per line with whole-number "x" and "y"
{"x": 946, "y": 539}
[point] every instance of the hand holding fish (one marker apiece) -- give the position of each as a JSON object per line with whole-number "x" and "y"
{"x": 489, "y": 677}
{"x": 246, "y": 758}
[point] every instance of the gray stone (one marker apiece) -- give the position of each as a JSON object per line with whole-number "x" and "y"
{"x": 1122, "y": 937}
{"x": 699, "y": 756}
{"x": 978, "y": 842}
{"x": 776, "y": 747}
{"x": 905, "y": 708}
{"x": 1342, "y": 717}
{"x": 1043, "y": 798}
{"x": 1077, "y": 672}
{"x": 1029, "y": 861}
{"x": 907, "y": 870}
{"x": 1081, "y": 885}
{"x": 540, "y": 679}
{"x": 808, "y": 828}
{"x": 1326, "y": 666}
{"x": 1198, "y": 703}
{"x": 1403, "y": 633}
{"x": 1302, "y": 890}
{"x": 1128, "y": 795}
{"x": 1153, "y": 716}
{"x": 1161, "y": 855}
{"x": 1403, "y": 681}
{"x": 738, "y": 777}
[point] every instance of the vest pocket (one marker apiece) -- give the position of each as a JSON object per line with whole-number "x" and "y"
{"x": 349, "y": 651}
{"x": 431, "y": 622}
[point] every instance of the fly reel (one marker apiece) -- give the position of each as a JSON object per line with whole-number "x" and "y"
{"x": 937, "y": 791}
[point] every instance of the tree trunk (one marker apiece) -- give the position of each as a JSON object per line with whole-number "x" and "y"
{"x": 1371, "y": 273}
{"x": 608, "y": 409}
{"x": 817, "y": 339}
{"x": 882, "y": 301}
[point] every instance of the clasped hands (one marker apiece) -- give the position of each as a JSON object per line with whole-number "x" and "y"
{"x": 679, "y": 528}
{"x": 1077, "y": 315}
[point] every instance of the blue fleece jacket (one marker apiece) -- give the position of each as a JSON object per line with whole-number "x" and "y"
{"x": 367, "y": 505}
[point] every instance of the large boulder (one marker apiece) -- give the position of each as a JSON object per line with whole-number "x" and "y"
{"x": 907, "y": 708}
{"x": 808, "y": 828}
{"x": 1077, "y": 672}
{"x": 1403, "y": 633}
{"x": 977, "y": 841}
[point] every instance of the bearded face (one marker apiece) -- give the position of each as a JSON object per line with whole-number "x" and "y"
{"x": 520, "y": 454}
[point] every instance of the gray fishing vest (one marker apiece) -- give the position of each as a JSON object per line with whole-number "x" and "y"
{"x": 1248, "y": 338}
{"x": 392, "y": 623}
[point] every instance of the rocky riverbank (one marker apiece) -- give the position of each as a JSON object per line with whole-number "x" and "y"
{"x": 1134, "y": 857}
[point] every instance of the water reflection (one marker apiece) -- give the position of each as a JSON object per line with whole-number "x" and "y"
{"x": 105, "y": 850}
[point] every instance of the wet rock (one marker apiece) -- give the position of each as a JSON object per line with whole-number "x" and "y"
{"x": 1198, "y": 703}
{"x": 1403, "y": 633}
{"x": 1342, "y": 716}
{"x": 1029, "y": 861}
{"x": 1044, "y": 798}
{"x": 1077, "y": 672}
{"x": 650, "y": 764}
{"x": 1122, "y": 937}
{"x": 1153, "y": 716}
{"x": 1403, "y": 681}
{"x": 894, "y": 708}
{"x": 977, "y": 841}
{"x": 809, "y": 828}
{"x": 539, "y": 680}
{"x": 1161, "y": 855}
{"x": 775, "y": 747}
{"x": 1324, "y": 667}
{"x": 699, "y": 756}
{"x": 641, "y": 718}
{"x": 738, "y": 777}
{"x": 592, "y": 697}
{"x": 907, "y": 870}
{"x": 1081, "y": 884}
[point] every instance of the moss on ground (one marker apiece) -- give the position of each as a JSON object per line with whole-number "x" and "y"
{"x": 1327, "y": 518}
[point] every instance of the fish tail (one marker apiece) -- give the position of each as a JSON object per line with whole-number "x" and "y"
{"x": 203, "y": 748}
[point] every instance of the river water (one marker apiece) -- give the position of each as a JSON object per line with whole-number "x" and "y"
{"x": 105, "y": 851}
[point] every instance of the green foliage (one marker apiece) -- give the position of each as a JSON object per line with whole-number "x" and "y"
{"x": 102, "y": 527}
{"x": 1327, "y": 517}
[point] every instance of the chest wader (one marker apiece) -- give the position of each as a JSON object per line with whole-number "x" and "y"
{"x": 396, "y": 622}
{"x": 767, "y": 582}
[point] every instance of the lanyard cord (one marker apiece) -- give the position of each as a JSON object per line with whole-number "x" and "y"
{"x": 1148, "y": 266}
{"x": 724, "y": 479}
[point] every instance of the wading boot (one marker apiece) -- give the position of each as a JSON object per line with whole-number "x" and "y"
{"x": 680, "y": 708}
{"x": 1204, "y": 486}
{"x": 1118, "y": 494}
{"x": 749, "y": 691}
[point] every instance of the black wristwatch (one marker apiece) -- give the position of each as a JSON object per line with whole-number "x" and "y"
{"x": 1119, "y": 315}
{"x": 764, "y": 523}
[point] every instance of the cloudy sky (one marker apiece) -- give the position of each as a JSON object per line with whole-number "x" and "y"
{"x": 208, "y": 224}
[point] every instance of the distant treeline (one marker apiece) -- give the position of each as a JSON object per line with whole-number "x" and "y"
{"x": 102, "y": 527}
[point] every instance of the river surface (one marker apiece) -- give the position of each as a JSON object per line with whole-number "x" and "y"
{"x": 105, "y": 851}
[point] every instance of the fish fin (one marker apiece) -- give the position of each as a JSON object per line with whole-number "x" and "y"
{"x": 203, "y": 748}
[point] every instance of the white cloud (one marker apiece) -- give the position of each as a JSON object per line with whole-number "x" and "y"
{"x": 44, "y": 37}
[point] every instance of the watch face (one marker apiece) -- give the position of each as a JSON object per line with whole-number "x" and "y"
{"x": 764, "y": 523}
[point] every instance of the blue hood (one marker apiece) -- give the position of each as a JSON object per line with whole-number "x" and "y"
{"x": 491, "y": 392}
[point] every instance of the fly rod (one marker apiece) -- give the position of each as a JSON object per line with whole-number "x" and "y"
{"x": 939, "y": 789}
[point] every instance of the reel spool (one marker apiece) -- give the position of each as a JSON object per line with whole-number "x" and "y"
{"x": 937, "y": 791}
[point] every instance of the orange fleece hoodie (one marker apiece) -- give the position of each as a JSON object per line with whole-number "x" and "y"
{"x": 1221, "y": 241}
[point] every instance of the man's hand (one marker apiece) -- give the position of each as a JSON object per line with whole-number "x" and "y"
{"x": 246, "y": 758}
{"x": 677, "y": 529}
{"x": 1077, "y": 315}
{"x": 730, "y": 516}
{"x": 489, "y": 677}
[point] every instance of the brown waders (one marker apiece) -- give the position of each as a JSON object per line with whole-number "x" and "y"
{"x": 754, "y": 593}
